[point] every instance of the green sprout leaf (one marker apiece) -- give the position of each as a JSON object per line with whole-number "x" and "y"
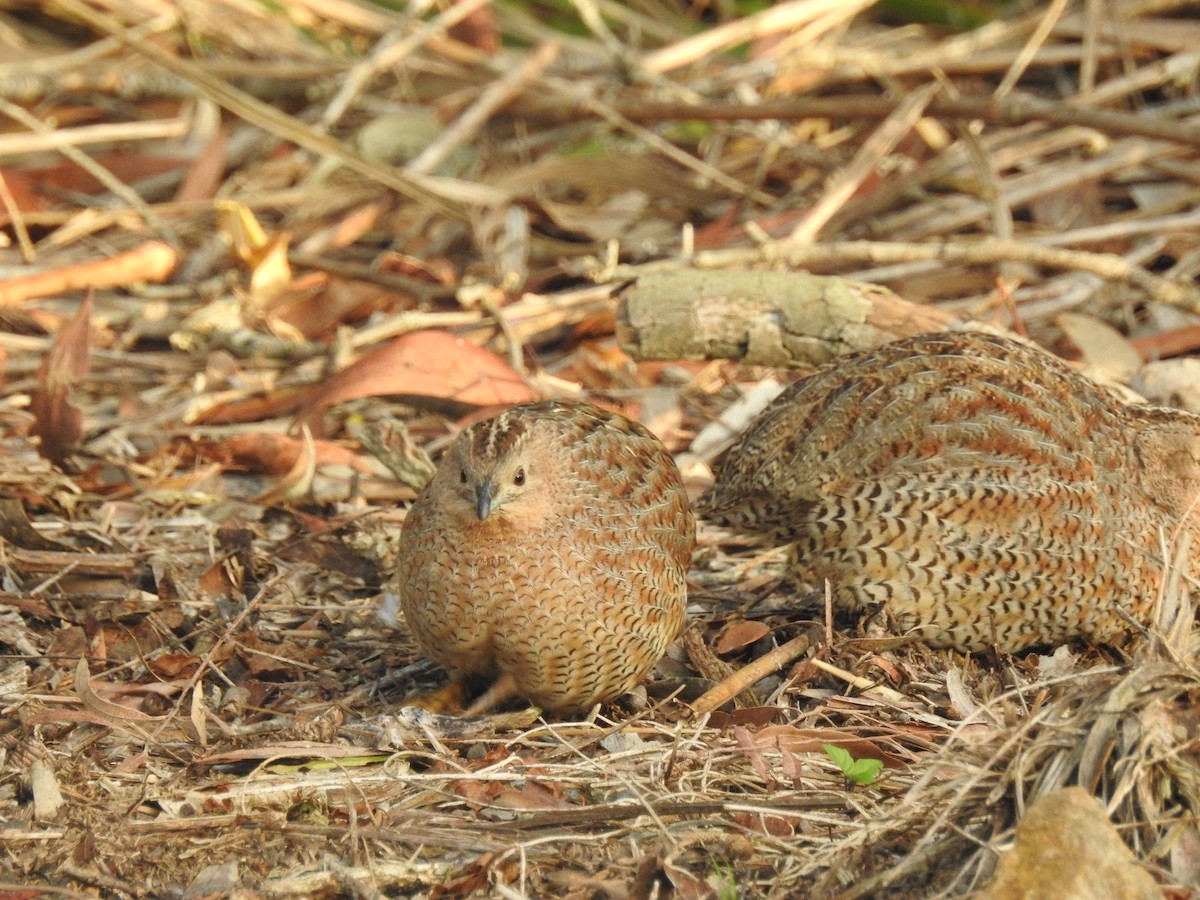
{"x": 859, "y": 771}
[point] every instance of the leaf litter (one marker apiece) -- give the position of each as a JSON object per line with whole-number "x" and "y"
{"x": 259, "y": 264}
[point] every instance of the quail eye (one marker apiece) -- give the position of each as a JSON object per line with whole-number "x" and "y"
{"x": 519, "y": 478}
{"x": 462, "y": 476}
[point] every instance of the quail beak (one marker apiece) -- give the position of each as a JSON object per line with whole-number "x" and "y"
{"x": 484, "y": 493}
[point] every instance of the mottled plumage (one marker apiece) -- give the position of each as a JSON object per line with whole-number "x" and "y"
{"x": 552, "y": 546}
{"x": 979, "y": 492}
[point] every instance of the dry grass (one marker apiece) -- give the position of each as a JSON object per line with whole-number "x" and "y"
{"x": 220, "y": 574}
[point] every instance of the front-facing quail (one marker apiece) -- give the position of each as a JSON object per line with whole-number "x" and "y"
{"x": 550, "y": 549}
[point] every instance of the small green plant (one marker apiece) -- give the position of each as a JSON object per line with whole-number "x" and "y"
{"x": 723, "y": 874}
{"x": 859, "y": 771}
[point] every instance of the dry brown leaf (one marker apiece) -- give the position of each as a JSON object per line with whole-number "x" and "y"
{"x": 1101, "y": 345}
{"x": 739, "y": 634}
{"x": 474, "y": 878}
{"x": 809, "y": 740}
{"x": 16, "y": 528}
{"x": 273, "y": 658}
{"x": 753, "y": 749}
{"x": 478, "y": 29}
{"x": 277, "y": 454}
{"x": 435, "y": 270}
{"x": 296, "y": 483}
{"x": 347, "y": 230}
{"x": 530, "y": 796}
{"x": 223, "y": 579}
{"x": 173, "y": 665}
{"x": 56, "y": 422}
{"x": 422, "y": 364}
{"x": 280, "y": 402}
{"x": 207, "y": 170}
{"x": 776, "y": 826}
{"x": 1076, "y": 207}
{"x": 1174, "y": 342}
{"x": 125, "y": 165}
{"x": 687, "y": 886}
{"x": 24, "y": 195}
{"x": 478, "y": 792}
{"x": 752, "y": 716}
{"x": 114, "y": 713}
{"x": 335, "y": 302}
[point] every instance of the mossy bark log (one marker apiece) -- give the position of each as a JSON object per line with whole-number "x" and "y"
{"x": 765, "y": 318}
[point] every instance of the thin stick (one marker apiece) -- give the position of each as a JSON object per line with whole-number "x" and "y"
{"x": 390, "y": 50}
{"x": 773, "y": 19}
{"x": 987, "y": 251}
{"x": 1015, "y": 109}
{"x": 1029, "y": 51}
{"x": 435, "y": 193}
{"x": 93, "y": 168}
{"x": 881, "y": 142}
{"x": 498, "y": 94}
{"x": 756, "y": 671}
{"x": 28, "y": 255}
{"x": 865, "y": 685}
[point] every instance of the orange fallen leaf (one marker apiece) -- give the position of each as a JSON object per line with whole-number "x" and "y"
{"x": 350, "y": 228}
{"x": 153, "y": 261}
{"x": 1173, "y": 342}
{"x": 254, "y": 408}
{"x": 273, "y": 454}
{"x": 737, "y": 635}
{"x": 22, "y": 195}
{"x": 764, "y": 823}
{"x": 224, "y": 579}
{"x": 296, "y": 483}
{"x": 315, "y": 313}
{"x": 430, "y": 364}
{"x": 750, "y": 716}
{"x": 173, "y": 665}
{"x": 530, "y": 796}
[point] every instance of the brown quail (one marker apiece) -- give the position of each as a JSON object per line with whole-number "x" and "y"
{"x": 550, "y": 550}
{"x": 975, "y": 491}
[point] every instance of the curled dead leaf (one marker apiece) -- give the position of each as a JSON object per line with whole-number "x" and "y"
{"x": 116, "y": 714}
{"x": 297, "y": 483}
{"x": 57, "y": 423}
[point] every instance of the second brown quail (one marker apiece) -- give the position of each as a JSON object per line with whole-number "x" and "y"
{"x": 976, "y": 491}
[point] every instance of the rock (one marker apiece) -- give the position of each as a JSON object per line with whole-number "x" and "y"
{"x": 1066, "y": 849}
